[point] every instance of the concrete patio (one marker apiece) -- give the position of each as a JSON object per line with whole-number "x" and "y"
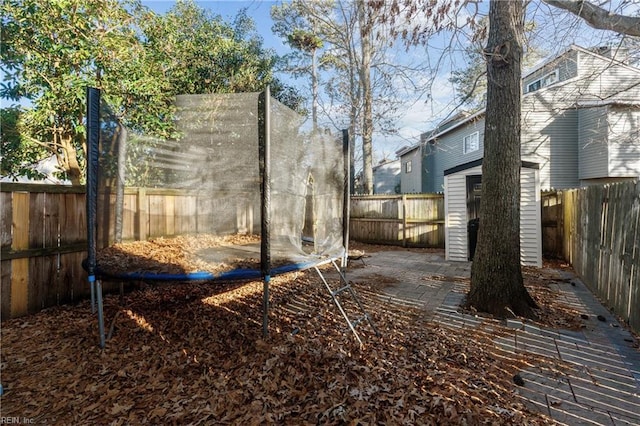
{"x": 587, "y": 377}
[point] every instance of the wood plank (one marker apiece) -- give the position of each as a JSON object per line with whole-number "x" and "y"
{"x": 156, "y": 214}
{"x": 42, "y": 188}
{"x": 52, "y": 224}
{"x": 36, "y": 252}
{"x": 36, "y": 219}
{"x": 142, "y": 220}
{"x": 403, "y": 213}
{"x": 409, "y": 221}
{"x": 170, "y": 214}
{"x": 6, "y": 212}
{"x": 20, "y": 267}
{"x": 19, "y": 287}
{"x": 72, "y": 277}
{"x": 186, "y": 212}
{"x": 129, "y": 217}
{"x": 5, "y": 289}
{"x": 37, "y": 283}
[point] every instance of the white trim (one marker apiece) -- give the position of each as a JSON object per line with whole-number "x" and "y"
{"x": 543, "y": 81}
{"x": 468, "y": 137}
{"x": 605, "y": 102}
{"x": 579, "y": 49}
{"x": 455, "y": 126}
{"x": 406, "y": 150}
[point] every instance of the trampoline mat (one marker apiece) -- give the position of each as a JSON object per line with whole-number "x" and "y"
{"x": 200, "y": 257}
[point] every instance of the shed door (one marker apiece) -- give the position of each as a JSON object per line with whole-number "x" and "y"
{"x": 474, "y": 186}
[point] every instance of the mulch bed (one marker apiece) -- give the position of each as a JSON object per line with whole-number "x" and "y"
{"x": 194, "y": 354}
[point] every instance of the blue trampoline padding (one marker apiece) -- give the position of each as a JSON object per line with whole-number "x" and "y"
{"x": 192, "y": 276}
{"x": 235, "y": 274}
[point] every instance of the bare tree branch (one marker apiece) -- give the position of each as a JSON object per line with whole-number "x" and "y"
{"x": 598, "y": 17}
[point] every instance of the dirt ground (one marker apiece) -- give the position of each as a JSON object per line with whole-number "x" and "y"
{"x": 194, "y": 353}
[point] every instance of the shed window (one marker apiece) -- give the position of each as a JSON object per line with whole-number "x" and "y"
{"x": 471, "y": 142}
{"x": 545, "y": 81}
{"x": 407, "y": 167}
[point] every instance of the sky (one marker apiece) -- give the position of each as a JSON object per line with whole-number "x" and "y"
{"x": 412, "y": 122}
{"x": 419, "y": 114}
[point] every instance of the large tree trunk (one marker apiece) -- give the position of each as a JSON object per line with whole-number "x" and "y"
{"x": 67, "y": 157}
{"x": 496, "y": 277}
{"x": 314, "y": 89}
{"x": 367, "y": 97}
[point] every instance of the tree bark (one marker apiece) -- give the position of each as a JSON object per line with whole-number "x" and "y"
{"x": 598, "y": 17}
{"x": 314, "y": 89}
{"x": 496, "y": 277}
{"x": 367, "y": 98}
{"x": 72, "y": 166}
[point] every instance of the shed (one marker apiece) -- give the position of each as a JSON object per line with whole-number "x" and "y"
{"x": 461, "y": 204}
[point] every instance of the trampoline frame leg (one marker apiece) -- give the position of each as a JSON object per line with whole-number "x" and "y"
{"x": 92, "y": 287}
{"x": 100, "y": 313}
{"x": 347, "y": 287}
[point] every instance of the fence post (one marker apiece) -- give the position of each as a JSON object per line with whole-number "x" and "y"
{"x": 404, "y": 220}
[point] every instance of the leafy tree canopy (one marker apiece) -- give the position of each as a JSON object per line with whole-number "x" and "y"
{"x": 53, "y": 49}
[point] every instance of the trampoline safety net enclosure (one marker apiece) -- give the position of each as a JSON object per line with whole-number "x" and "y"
{"x": 242, "y": 190}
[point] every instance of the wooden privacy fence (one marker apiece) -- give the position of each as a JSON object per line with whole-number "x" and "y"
{"x": 409, "y": 220}
{"x": 43, "y": 233}
{"x": 601, "y": 240}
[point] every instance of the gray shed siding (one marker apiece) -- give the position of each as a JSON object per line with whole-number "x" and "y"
{"x": 593, "y": 151}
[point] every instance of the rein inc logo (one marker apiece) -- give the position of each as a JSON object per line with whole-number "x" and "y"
{"x": 16, "y": 421}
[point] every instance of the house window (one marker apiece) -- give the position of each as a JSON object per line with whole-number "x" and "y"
{"x": 545, "y": 81}
{"x": 407, "y": 167}
{"x": 471, "y": 142}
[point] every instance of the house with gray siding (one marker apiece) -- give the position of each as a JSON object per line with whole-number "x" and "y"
{"x": 411, "y": 172}
{"x": 580, "y": 124}
{"x": 386, "y": 177}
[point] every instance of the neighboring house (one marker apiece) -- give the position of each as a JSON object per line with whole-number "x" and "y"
{"x": 411, "y": 158}
{"x": 386, "y": 177}
{"x": 48, "y": 167}
{"x": 580, "y": 124}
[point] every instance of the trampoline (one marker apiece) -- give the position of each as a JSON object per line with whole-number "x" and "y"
{"x": 236, "y": 167}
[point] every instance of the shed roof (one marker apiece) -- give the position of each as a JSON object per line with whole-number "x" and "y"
{"x": 471, "y": 164}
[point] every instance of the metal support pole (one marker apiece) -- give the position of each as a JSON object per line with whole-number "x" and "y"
{"x": 100, "y": 313}
{"x": 120, "y": 179}
{"x": 93, "y": 152}
{"x": 346, "y": 206}
{"x": 264, "y": 107}
{"x": 92, "y": 287}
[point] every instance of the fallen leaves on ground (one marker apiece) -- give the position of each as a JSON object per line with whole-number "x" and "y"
{"x": 195, "y": 354}
{"x": 177, "y": 255}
